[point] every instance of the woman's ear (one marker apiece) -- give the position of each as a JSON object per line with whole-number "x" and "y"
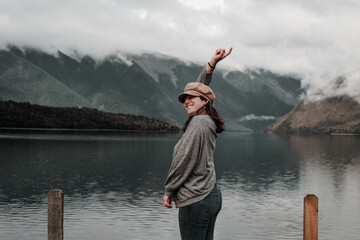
{"x": 205, "y": 101}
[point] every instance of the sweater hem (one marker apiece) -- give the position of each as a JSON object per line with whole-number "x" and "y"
{"x": 192, "y": 200}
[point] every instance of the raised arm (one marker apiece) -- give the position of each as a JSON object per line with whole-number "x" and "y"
{"x": 206, "y": 75}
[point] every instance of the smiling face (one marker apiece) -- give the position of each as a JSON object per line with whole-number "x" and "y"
{"x": 193, "y": 104}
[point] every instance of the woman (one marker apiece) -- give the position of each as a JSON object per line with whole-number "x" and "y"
{"x": 191, "y": 180}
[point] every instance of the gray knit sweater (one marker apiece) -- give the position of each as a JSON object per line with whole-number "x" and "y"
{"x": 192, "y": 173}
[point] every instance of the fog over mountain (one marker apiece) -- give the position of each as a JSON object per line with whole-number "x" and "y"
{"x": 146, "y": 84}
{"x": 314, "y": 40}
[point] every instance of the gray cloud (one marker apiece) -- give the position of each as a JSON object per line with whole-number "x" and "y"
{"x": 317, "y": 40}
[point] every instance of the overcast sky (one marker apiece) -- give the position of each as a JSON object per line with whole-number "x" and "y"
{"x": 319, "y": 40}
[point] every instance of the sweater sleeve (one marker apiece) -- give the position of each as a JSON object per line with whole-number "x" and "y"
{"x": 185, "y": 159}
{"x": 205, "y": 77}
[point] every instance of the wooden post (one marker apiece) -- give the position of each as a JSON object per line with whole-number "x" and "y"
{"x": 55, "y": 215}
{"x": 310, "y": 217}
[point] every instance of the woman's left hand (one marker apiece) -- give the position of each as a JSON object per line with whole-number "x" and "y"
{"x": 167, "y": 201}
{"x": 219, "y": 55}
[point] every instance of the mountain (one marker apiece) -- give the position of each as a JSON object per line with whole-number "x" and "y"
{"x": 22, "y": 80}
{"x": 335, "y": 115}
{"x": 146, "y": 84}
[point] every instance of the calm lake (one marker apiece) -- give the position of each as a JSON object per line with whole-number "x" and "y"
{"x": 113, "y": 184}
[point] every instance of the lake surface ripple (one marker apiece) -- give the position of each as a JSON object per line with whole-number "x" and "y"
{"x": 113, "y": 184}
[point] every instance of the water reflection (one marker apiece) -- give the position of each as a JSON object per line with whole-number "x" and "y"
{"x": 330, "y": 168}
{"x": 82, "y": 167}
{"x": 113, "y": 184}
{"x": 256, "y": 162}
{"x": 336, "y": 159}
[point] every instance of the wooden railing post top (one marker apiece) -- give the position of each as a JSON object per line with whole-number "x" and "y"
{"x": 55, "y": 191}
{"x": 310, "y": 196}
{"x": 311, "y": 217}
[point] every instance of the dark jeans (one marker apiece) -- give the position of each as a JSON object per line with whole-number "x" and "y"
{"x": 197, "y": 221}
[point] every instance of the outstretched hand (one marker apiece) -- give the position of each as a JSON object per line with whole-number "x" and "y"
{"x": 219, "y": 55}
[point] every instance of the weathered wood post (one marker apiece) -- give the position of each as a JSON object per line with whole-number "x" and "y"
{"x": 310, "y": 217}
{"x": 55, "y": 215}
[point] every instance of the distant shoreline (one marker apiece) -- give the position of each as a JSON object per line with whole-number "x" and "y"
{"x": 345, "y": 134}
{"x": 107, "y": 130}
{"x": 311, "y": 134}
{"x": 85, "y": 130}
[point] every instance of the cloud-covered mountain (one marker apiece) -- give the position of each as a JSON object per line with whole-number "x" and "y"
{"x": 146, "y": 84}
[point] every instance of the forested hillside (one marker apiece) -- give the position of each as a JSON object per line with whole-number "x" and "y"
{"x": 26, "y": 115}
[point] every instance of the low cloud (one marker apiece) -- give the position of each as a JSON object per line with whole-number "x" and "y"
{"x": 317, "y": 41}
{"x": 253, "y": 117}
{"x": 345, "y": 84}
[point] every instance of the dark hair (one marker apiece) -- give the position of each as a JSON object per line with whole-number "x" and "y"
{"x": 211, "y": 111}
